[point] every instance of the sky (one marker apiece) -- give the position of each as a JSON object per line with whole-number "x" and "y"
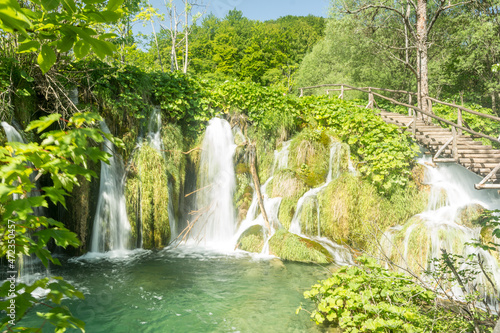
{"x": 261, "y": 10}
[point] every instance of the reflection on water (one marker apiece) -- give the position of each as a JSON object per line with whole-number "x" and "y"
{"x": 186, "y": 290}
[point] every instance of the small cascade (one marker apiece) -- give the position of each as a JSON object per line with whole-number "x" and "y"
{"x": 445, "y": 224}
{"x": 214, "y": 222}
{"x": 311, "y": 195}
{"x": 154, "y": 140}
{"x": 12, "y": 134}
{"x": 271, "y": 205}
{"x": 154, "y": 131}
{"x": 111, "y": 226}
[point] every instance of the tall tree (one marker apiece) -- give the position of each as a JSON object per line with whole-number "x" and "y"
{"x": 414, "y": 20}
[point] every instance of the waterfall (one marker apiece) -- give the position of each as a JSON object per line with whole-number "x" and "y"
{"x": 445, "y": 222}
{"x": 25, "y": 264}
{"x": 111, "y": 226}
{"x": 214, "y": 221}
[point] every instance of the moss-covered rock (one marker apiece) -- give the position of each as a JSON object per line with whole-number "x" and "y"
{"x": 243, "y": 194}
{"x": 147, "y": 198}
{"x": 351, "y": 211}
{"x": 309, "y": 152}
{"x": 292, "y": 247}
{"x": 285, "y": 184}
{"x": 468, "y": 214}
{"x": 174, "y": 145}
{"x": 252, "y": 239}
{"x": 348, "y": 208}
{"x": 412, "y": 243}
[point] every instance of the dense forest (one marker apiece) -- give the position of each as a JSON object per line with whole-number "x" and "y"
{"x": 67, "y": 66}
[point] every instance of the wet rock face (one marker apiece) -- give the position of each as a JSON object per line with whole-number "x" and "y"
{"x": 467, "y": 215}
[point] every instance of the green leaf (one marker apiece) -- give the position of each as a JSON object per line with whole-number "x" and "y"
{"x": 30, "y": 46}
{"x": 69, "y": 5}
{"x": 114, "y": 4}
{"x": 12, "y": 18}
{"x": 49, "y": 5}
{"x": 43, "y": 122}
{"x": 46, "y": 58}
{"x": 81, "y": 49}
{"x": 66, "y": 43}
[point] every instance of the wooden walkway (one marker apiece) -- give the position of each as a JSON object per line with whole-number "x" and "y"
{"x": 473, "y": 155}
{"x": 446, "y": 145}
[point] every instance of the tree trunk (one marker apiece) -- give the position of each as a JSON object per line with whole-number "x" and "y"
{"x": 256, "y": 183}
{"x": 187, "y": 41}
{"x": 422, "y": 67}
{"x": 494, "y": 102}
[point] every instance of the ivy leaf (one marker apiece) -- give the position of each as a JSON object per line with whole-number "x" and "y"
{"x": 46, "y": 58}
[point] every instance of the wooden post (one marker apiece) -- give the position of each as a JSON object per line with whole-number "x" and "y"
{"x": 459, "y": 120}
{"x": 409, "y": 102}
{"x": 341, "y": 96}
{"x": 454, "y": 148}
{"x": 301, "y": 92}
{"x": 371, "y": 99}
{"x": 414, "y": 129}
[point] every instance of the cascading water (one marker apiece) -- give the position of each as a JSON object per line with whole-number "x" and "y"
{"x": 12, "y": 134}
{"x": 445, "y": 223}
{"x": 339, "y": 253}
{"x": 213, "y": 224}
{"x": 111, "y": 226}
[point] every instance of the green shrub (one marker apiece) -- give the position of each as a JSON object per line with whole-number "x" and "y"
{"x": 368, "y": 298}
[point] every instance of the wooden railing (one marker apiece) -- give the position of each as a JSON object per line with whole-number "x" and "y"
{"x": 457, "y": 128}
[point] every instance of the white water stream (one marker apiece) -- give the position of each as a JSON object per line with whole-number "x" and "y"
{"x": 452, "y": 195}
{"x": 111, "y": 230}
{"x": 213, "y": 223}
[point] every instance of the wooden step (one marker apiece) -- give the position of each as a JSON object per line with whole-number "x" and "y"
{"x": 478, "y": 160}
{"x": 480, "y": 165}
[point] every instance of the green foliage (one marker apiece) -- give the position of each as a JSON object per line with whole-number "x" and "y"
{"x": 62, "y": 156}
{"x": 309, "y": 153}
{"x": 368, "y": 298}
{"x": 50, "y": 26}
{"x": 182, "y": 99}
{"x": 269, "y": 110}
{"x": 479, "y": 124}
{"x": 264, "y": 52}
{"x": 288, "y": 246}
{"x": 384, "y": 152}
